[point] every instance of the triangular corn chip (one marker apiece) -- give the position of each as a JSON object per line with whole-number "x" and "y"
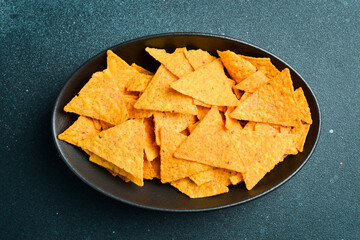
{"x": 151, "y": 148}
{"x": 208, "y": 84}
{"x": 260, "y": 153}
{"x": 304, "y": 109}
{"x": 253, "y": 82}
{"x": 152, "y": 169}
{"x": 100, "y": 98}
{"x": 230, "y": 123}
{"x": 173, "y": 168}
{"x": 121, "y": 145}
{"x": 216, "y": 174}
{"x": 176, "y": 62}
{"x": 210, "y": 144}
{"x": 300, "y": 133}
{"x": 161, "y": 97}
{"x": 140, "y": 80}
{"x": 237, "y": 67}
{"x": 81, "y": 129}
{"x": 173, "y": 121}
{"x": 115, "y": 171}
{"x": 192, "y": 190}
{"x": 141, "y": 69}
{"x": 264, "y": 65}
{"x": 198, "y": 58}
{"x": 273, "y": 103}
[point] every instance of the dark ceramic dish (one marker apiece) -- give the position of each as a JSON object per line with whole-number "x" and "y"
{"x": 155, "y": 195}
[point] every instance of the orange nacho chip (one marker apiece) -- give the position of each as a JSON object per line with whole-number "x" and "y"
{"x": 230, "y": 123}
{"x": 198, "y": 58}
{"x": 141, "y": 69}
{"x": 208, "y": 84}
{"x": 151, "y": 148}
{"x": 100, "y": 98}
{"x": 174, "y": 121}
{"x": 192, "y": 190}
{"x": 121, "y": 145}
{"x": 264, "y": 65}
{"x": 81, "y": 129}
{"x": 210, "y": 144}
{"x": 237, "y": 67}
{"x": 115, "y": 171}
{"x": 300, "y": 133}
{"x": 304, "y": 109}
{"x": 217, "y": 174}
{"x": 273, "y": 103}
{"x": 160, "y": 96}
{"x": 176, "y": 62}
{"x": 260, "y": 153}
{"x": 133, "y": 112}
{"x": 173, "y": 168}
{"x": 253, "y": 82}
{"x": 152, "y": 169}
{"x": 140, "y": 80}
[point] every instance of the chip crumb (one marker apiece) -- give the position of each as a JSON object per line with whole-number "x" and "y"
{"x": 341, "y": 163}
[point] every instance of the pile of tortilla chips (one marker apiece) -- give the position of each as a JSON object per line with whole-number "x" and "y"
{"x": 199, "y": 123}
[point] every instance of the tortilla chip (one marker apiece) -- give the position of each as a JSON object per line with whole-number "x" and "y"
{"x": 100, "y": 98}
{"x": 151, "y": 148}
{"x": 173, "y": 168}
{"x": 253, "y": 82}
{"x": 236, "y": 179}
{"x": 237, "y": 67}
{"x": 266, "y": 128}
{"x": 81, "y": 129}
{"x": 264, "y": 65}
{"x": 152, "y": 169}
{"x": 300, "y": 133}
{"x": 136, "y": 113}
{"x": 160, "y": 96}
{"x": 261, "y": 152}
{"x": 192, "y": 190}
{"x": 198, "y": 58}
{"x": 273, "y": 103}
{"x": 173, "y": 121}
{"x": 210, "y": 144}
{"x": 200, "y": 103}
{"x": 216, "y": 174}
{"x": 303, "y": 105}
{"x": 121, "y": 145}
{"x": 230, "y": 123}
{"x": 141, "y": 69}
{"x": 208, "y": 84}
{"x": 139, "y": 82}
{"x": 115, "y": 171}
{"x": 115, "y": 63}
{"x": 176, "y": 62}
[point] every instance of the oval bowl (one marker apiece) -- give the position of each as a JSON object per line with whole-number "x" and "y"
{"x": 154, "y": 195}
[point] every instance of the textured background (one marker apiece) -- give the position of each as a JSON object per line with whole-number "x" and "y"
{"x": 43, "y": 42}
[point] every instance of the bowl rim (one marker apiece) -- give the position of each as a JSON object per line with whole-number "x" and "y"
{"x": 170, "y": 34}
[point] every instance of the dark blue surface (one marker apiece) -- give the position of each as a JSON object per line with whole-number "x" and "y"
{"x": 43, "y": 42}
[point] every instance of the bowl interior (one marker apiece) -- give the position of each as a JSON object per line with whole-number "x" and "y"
{"x": 155, "y": 195}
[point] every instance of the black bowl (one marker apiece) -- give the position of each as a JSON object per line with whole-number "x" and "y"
{"x": 154, "y": 195}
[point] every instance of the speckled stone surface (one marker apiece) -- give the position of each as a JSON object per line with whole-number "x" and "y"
{"x": 43, "y": 42}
